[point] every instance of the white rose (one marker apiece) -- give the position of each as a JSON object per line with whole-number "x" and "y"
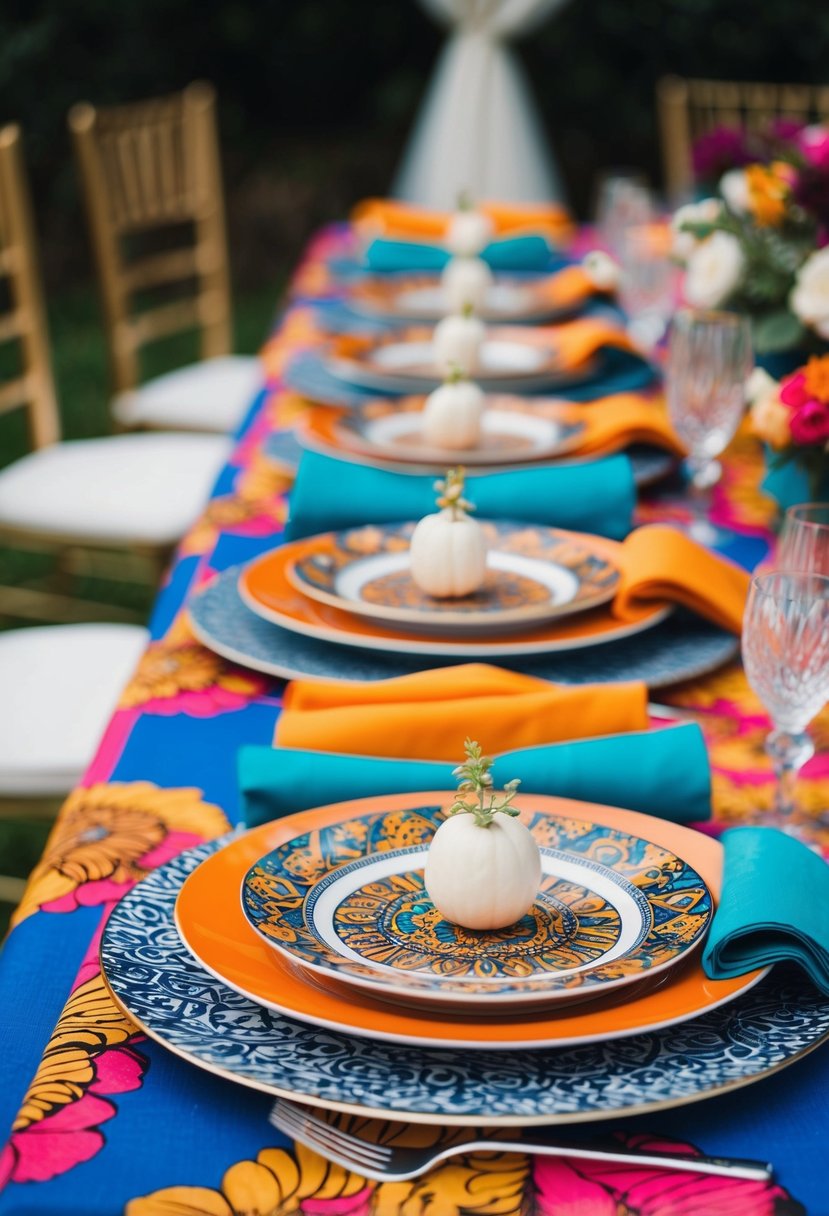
{"x": 714, "y": 270}
{"x": 602, "y": 271}
{"x": 809, "y": 300}
{"x": 734, "y": 189}
{"x": 706, "y": 211}
{"x": 760, "y": 386}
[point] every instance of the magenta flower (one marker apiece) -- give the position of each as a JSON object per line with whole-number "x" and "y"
{"x": 786, "y": 130}
{"x": 813, "y": 144}
{"x": 810, "y": 424}
{"x": 793, "y": 391}
{"x": 717, "y": 151}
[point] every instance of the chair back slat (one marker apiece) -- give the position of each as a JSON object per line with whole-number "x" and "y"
{"x": 145, "y": 167}
{"x": 688, "y": 109}
{"x": 23, "y": 321}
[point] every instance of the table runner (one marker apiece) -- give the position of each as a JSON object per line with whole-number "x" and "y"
{"x": 105, "y": 1121}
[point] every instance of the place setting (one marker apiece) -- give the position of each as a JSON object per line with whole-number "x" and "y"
{"x": 502, "y": 1006}
{"x": 486, "y": 430}
{"x": 381, "y": 349}
{"x": 390, "y": 237}
{"x": 372, "y": 600}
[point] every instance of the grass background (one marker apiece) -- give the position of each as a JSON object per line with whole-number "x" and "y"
{"x": 79, "y": 358}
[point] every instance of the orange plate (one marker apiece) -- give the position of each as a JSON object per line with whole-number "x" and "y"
{"x": 268, "y": 591}
{"x": 321, "y": 428}
{"x": 360, "y": 352}
{"x": 210, "y": 919}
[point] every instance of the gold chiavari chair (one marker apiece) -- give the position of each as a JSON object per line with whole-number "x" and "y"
{"x": 115, "y": 505}
{"x": 151, "y": 170}
{"x": 58, "y": 684}
{"x": 689, "y": 108}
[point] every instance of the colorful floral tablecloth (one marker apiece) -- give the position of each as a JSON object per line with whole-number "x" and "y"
{"x": 102, "y": 1120}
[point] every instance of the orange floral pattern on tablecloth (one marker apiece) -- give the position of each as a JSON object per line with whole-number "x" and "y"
{"x": 179, "y": 675}
{"x": 736, "y": 726}
{"x": 109, "y": 836}
{"x": 282, "y": 1183}
{"x": 276, "y": 1182}
{"x": 240, "y": 514}
{"x": 298, "y": 332}
{"x": 91, "y": 1055}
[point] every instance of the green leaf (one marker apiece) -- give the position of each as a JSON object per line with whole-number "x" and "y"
{"x": 775, "y": 331}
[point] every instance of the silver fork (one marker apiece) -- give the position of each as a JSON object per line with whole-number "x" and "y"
{"x": 386, "y": 1163}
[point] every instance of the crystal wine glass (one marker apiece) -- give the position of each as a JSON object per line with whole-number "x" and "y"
{"x": 623, "y": 198}
{"x": 786, "y": 657}
{"x": 709, "y": 360}
{"x": 647, "y": 290}
{"x": 804, "y": 539}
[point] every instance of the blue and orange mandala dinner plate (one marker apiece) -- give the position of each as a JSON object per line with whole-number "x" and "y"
{"x": 348, "y": 903}
{"x": 534, "y": 573}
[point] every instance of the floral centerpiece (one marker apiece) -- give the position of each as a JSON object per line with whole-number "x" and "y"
{"x": 792, "y": 418}
{"x": 762, "y": 246}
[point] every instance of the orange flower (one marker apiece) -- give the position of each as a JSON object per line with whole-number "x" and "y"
{"x": 102, "y": 834}
{"x": 89, "y": 1025}
{"x": 279, "y": 1183}
{"x": 816, "y": 377}
{"x": 769, "y": 188}
{"x": 275, "y": 1184}
{"x": 168, "y": 671}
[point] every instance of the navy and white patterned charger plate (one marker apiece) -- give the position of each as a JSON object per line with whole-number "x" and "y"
{"x": 283, "y": 449}
{"x": 681, "y": 648}
{"x": 161, "y": 987}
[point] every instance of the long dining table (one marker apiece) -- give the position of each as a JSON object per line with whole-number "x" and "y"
{"x": 101, "y": 1119}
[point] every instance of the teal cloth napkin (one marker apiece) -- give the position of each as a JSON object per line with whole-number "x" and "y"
{"x": 596, "y": 496}
{"x": 774, "y": 907}
{"x": 529, "y": 252}
{"x": 660, "y": 772}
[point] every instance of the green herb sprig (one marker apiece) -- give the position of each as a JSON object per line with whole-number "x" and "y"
{"x": 476, "y": 781}
{"x": 450, "y": 492}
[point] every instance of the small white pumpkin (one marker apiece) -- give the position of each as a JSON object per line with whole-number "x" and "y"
{"x": 469, "y": 232}
{"x": 452, "y": 414}
{"x": 466, "y": 281}
{"x": 457, "y": 342}
{"x": 483, "y": 868}
{"x": 448, "y": 550}
{"x": 603, "y": 272}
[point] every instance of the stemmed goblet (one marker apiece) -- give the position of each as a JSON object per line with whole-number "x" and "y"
{"x": 786, "y": 658}
{"x": 709, "y": 360}
{"x": 804, "y": 539}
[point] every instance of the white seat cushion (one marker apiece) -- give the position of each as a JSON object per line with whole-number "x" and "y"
{"x": 59, "y": 685}
{"x": 213, "y": 395}
{"x": 143, "y": 488}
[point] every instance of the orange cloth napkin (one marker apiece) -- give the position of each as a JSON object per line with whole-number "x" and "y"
{"x": 429, "y": 714}
{"x": 579, "y": 340}
{"x": 616, "y": 422}
{"x": 567, "y": 288}
{"x": 387, "y": 217}
{"x": 661, "y": 563}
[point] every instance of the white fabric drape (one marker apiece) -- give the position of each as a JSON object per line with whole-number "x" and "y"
{"x": 478, "y": 130}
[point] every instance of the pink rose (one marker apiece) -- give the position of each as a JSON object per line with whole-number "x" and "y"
{"x": 810, "y": 423}
{"x": 813, "y": 142}
{"x": 793, "y": 391}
